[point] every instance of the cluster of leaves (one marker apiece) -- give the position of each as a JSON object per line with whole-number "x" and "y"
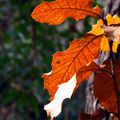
{"x": 25, "y": 53}
{"x": 71, "y": 67}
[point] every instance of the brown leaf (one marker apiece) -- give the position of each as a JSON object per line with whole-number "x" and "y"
{"x": 65, "y": 64}
{"x": 104, "y": 87}
{"x": 98, "y": 115}
{"x": 85, "y": 71}
{"x": 56, "y": 12}
{"x": 112, "y": 32}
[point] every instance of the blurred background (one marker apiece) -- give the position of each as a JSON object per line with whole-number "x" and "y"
{"x": 26, "y": 49}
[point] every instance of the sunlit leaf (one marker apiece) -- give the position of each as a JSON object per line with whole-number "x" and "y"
{"x": 65, "y": 64}
{"x": 111, "y": 32}
{"x": 56, "y": 12}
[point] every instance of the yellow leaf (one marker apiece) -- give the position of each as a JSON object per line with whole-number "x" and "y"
{"x": 115, "y": 46}
{"x": 104, "y": 45}
{"x": 111, "y": 20}
{"x": 96, "y": 29}
{"x": 110, "y": 32}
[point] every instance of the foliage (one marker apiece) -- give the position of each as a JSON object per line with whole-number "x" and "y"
{"x": 57, "y": 11}
{"x": 67, "y": 64}
{"x": 26, "y": 48}
{"x": 103, "y": 93}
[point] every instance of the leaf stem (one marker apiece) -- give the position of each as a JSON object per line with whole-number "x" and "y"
{"x": 114, "y": 78}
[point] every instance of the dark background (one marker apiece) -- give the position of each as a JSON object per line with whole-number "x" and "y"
{"x": 26, "y": 49}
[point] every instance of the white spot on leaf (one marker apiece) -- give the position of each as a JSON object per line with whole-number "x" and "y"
{"x": 64, "y": 91}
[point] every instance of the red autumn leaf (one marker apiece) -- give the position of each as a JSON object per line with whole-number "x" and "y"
{"x": 98, "y": 115}
{"x": 65, "y": 64}
{"x": 56, "y": 12}
{"x": 104, "y": 87}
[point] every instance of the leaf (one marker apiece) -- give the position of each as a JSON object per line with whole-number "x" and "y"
{"x": 56, "y": 12}
{"x": 116, "y": 46}
{"x": 11, "y": 95}
{"x": 104, "y": 45}
{"x": 104, "y": 87}
{"x": 111, "y": 21}
{"x": 54, "y": 107}
{"x": 65, "y": 64}
{"x": 84, "y": 72}
{"x": 111, "y": 32}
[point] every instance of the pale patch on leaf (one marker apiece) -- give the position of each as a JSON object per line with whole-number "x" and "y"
{"x": 48, "y": 73}
{"x": 64, "y": 91}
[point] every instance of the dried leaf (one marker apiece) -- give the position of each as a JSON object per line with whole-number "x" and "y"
{"x": 111, "y": 32}
{"x": 56, "y": 12}
{"x": 79, "y": 54}
{"x": 104, "y": 87}
{"x": 98, "y": 115}
{"x": 54, "y": 107}
{"x": 85, "y": 71}
{"x": 111, "y": 20}
{"x": 104, "y": 45}
{"x": 115, "y": 46}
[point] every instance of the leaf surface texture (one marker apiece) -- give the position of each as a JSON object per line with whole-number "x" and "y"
{"x": 104, "y": 87}
{"x": 56, "y": 12}
{"x": 65, "y": 64}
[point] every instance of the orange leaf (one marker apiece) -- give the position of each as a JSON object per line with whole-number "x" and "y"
{"x": 56, "y": 12}
{"x": 68, "y": 88}
{"x": 85, "y": 71}
{"x": 104, "y": 87}
{"x": 65, "y": 64}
